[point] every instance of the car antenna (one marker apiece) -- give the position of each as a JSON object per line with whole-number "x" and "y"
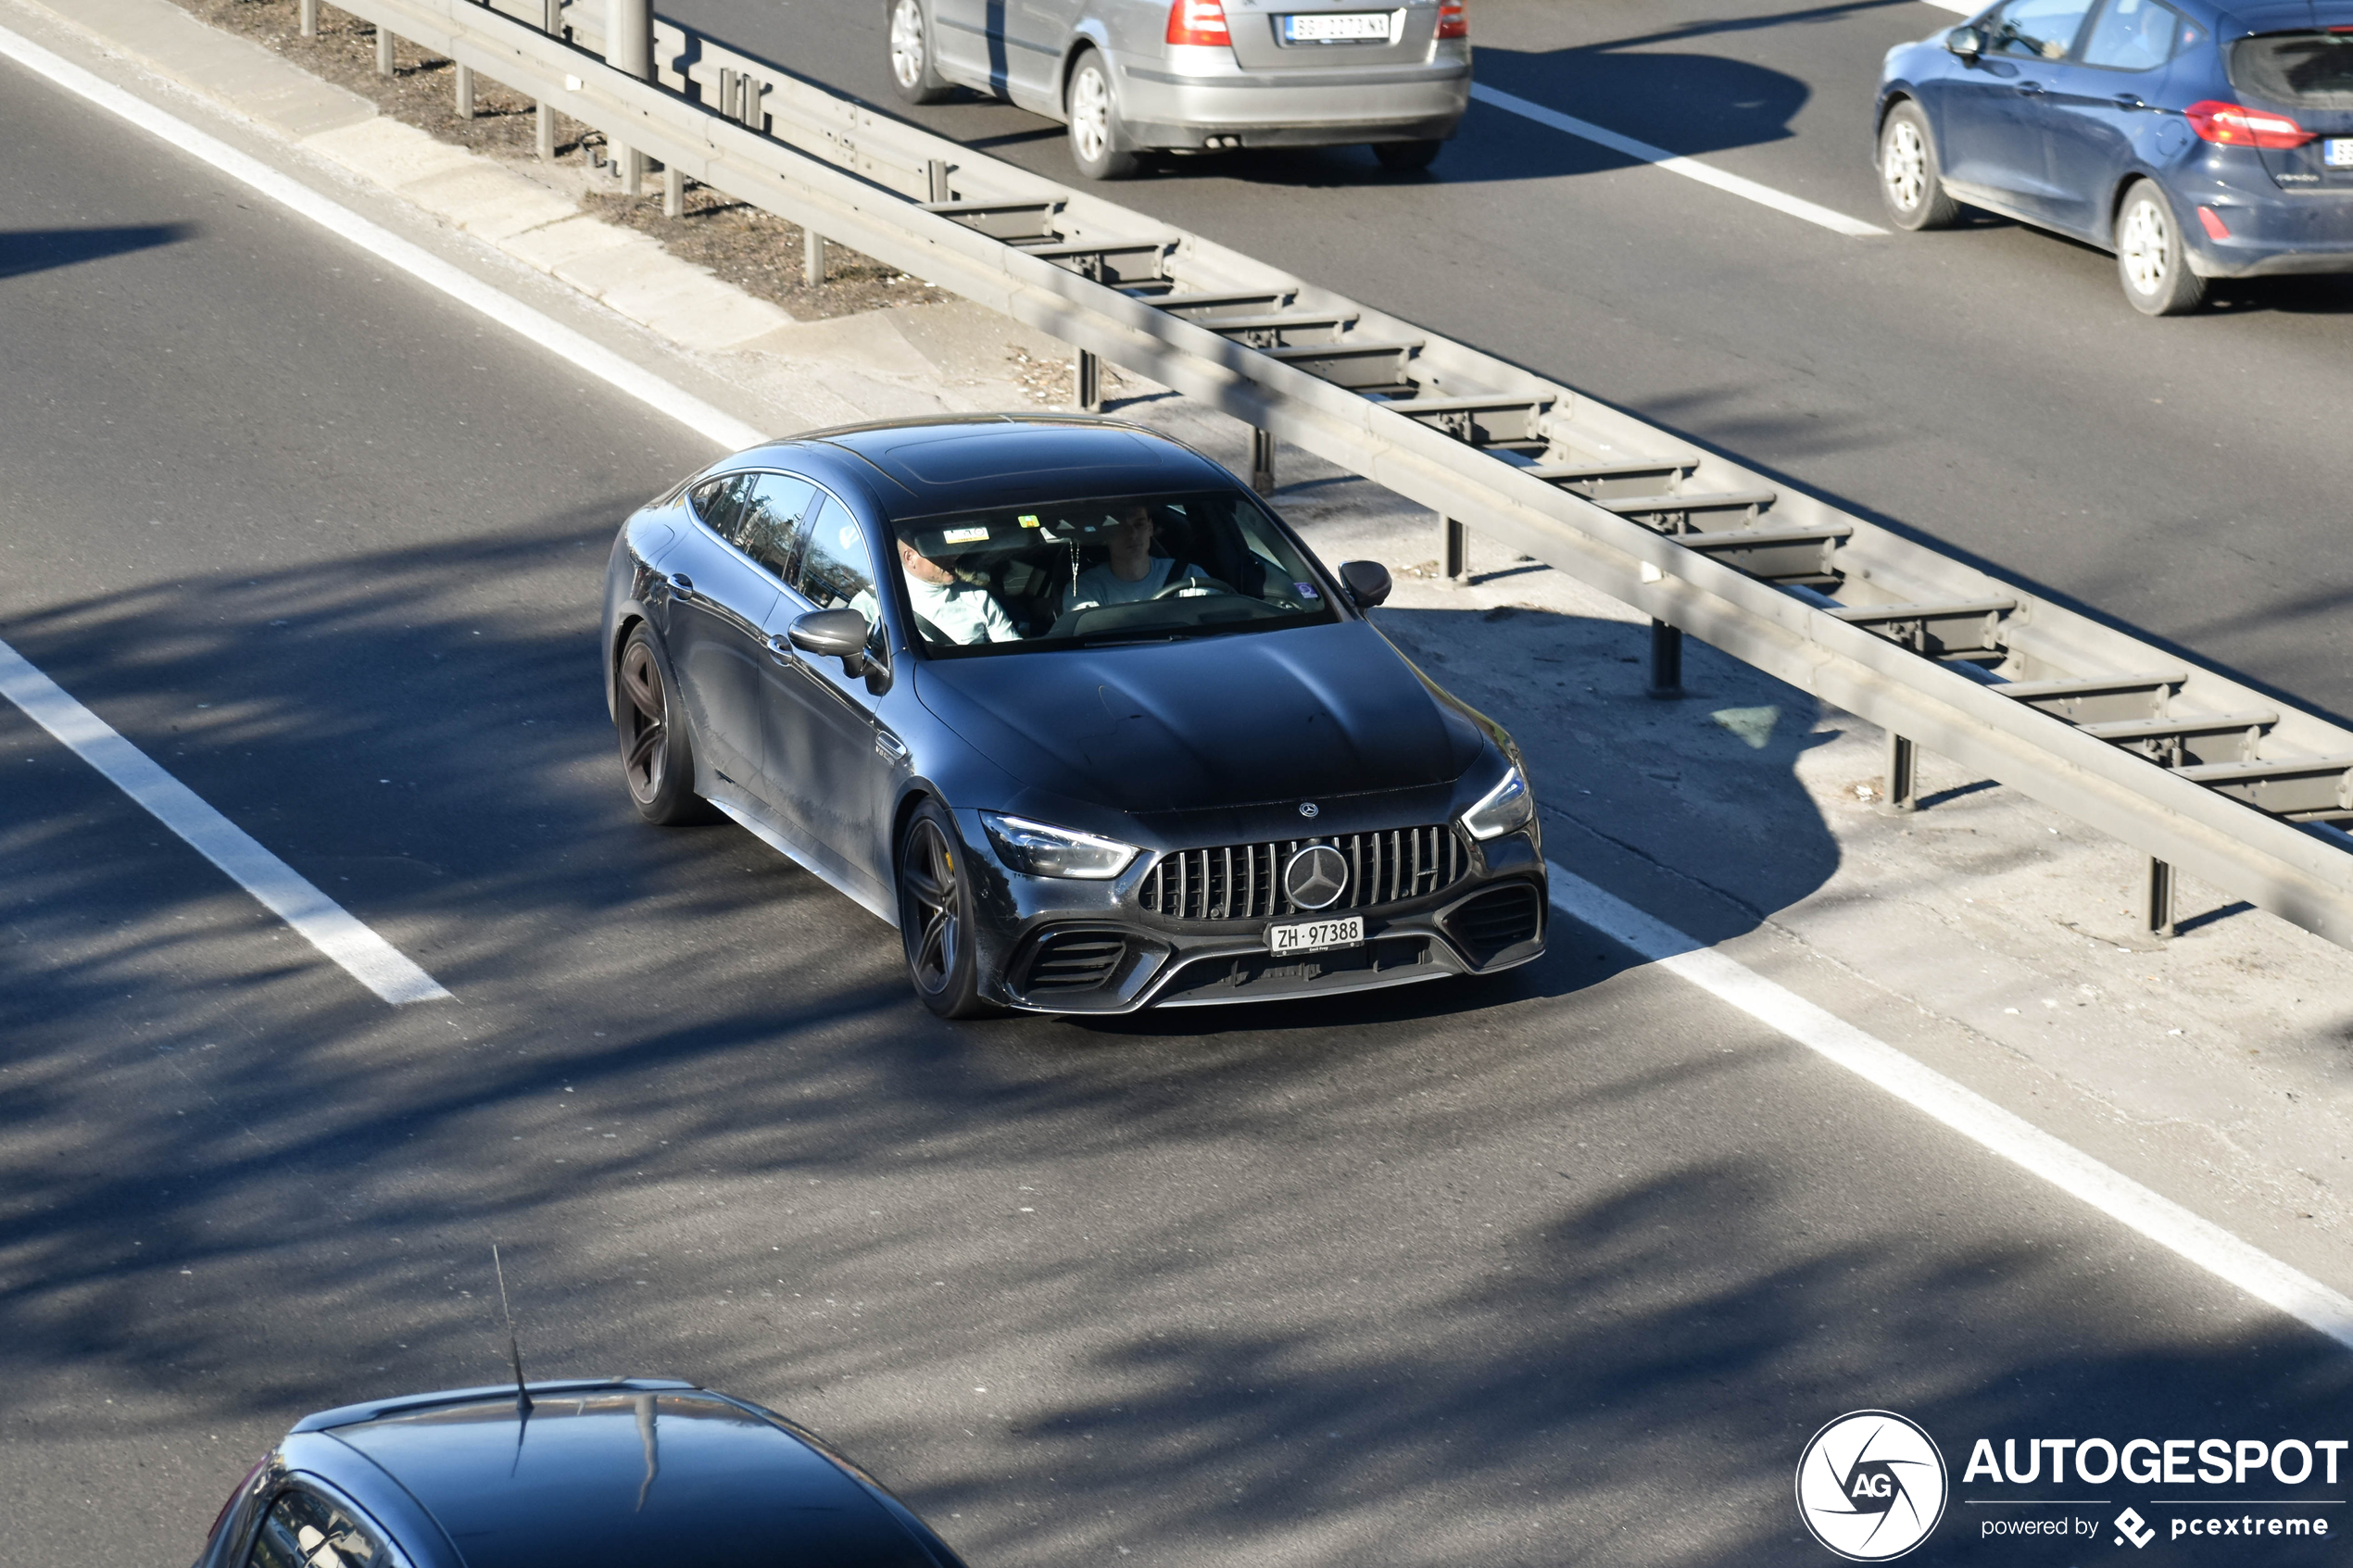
{"x": 514, "y": 1351}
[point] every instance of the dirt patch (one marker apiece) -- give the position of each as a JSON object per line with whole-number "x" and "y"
{"x": 756, "y": 251}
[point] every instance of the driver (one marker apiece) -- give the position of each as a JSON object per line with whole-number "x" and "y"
{"x": 964, "y": 612}
{"x": 1133, "y": 574}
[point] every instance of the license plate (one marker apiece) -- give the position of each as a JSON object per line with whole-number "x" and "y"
{"x": 1347, "y": 27}
{"x": 2337, "y": 152}
{"x": 1315, "y": 935}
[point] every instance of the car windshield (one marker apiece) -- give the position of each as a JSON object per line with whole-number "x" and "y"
{"x": 2305, "y": 70}
{"x": 1114, "y": 569}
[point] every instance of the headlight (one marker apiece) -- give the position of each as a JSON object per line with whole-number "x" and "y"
{"x": 1035, "y": 849}
{"x": 1501, "y": 810}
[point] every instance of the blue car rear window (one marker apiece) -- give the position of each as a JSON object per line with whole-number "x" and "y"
{"x": 2307, "y": 71}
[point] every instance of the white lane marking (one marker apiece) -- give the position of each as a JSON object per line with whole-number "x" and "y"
{"x": 318, "y": 918}
{"x": 1688, "y": 167}
{"x": 679, "y": 403}
{"x": 1969, "y": 1113}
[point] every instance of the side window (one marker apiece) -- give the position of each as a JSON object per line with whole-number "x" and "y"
{"x": 716, "y": 501}
{"x": 768, "y": 526}
{"x": 837, "y": 570}
{"x": 2041, "y": 30}
{"x": 2130, "y": 35}
{"x": 303, "y": 1530}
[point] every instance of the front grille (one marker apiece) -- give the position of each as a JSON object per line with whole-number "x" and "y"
{"x": 1244, "y": 881}
{"x": 1075, "y": 960}
{"x": 1494, "y": 921}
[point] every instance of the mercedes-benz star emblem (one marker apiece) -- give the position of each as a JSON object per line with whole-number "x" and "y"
{"x": 1315, "y": 877}
{"x": 1308, "y": 808}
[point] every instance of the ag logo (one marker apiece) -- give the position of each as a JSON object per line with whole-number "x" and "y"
{"x": 1870, "y": 1485}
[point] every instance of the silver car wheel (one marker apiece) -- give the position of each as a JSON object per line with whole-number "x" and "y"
{"x": 1090, "y": 113}
{"x": 2145, "y": 241}
{"x": 906, "y": 44}
{"x": 1904, "y": 164}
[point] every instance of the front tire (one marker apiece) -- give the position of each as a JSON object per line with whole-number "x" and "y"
{"x": 1911, "y": 182}
{"x": 2152, "y": 261}
{"x": 936, "y": 916}
{"x": 1406, "y": 157}
{"x": 656, "y": 759}
{"x": 913, "y": 75}
{"x": 1097, "y": 137}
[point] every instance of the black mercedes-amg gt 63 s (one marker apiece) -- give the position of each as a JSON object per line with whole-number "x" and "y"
{"x": 1060, "y": 699}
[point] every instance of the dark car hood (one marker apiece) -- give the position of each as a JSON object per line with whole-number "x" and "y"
{"x": 1212, "y": 722}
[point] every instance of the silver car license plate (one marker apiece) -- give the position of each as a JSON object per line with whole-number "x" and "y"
{"x": 1315, "y": 935}
{"x": 2337, "y": 152}
{"x": 1342, "y": 27}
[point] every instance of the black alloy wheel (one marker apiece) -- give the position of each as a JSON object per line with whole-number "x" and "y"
{"x": 935, "y": 917}
{"x": 656, "y": 761}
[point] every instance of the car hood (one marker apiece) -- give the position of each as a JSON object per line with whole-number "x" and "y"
{"x": 1212, "y": 722}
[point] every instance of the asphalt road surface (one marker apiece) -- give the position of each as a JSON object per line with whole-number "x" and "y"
{"x": 1988, "y": 389}
{"x": 1560, "y": 1269}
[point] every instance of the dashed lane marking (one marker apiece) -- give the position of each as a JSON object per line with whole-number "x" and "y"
{"x": 318, "y": 920}
{"x": 1674, "y": 163}
{"x": 1967, "y": 1112}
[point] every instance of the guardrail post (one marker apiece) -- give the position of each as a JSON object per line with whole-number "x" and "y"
{"x": 2160, "y": 897}
{"x": 546, "y": 116}
{"x": 465, "y": 92}
{"x": 935, "y": 180}
{"x": 1090, "y": 377}
{"x": 383, "y": 50}
{"x": 673, "y": 190}
{"x": 1903, "y": 773}
{"x": 309, "y": 15}
{"x": 629, "y": 47}
{"x": 1262, "y": 461}
{"x": 812, "y": 257}
{"x": 1453, "y": 549}
{"x": 1666, "y": 661}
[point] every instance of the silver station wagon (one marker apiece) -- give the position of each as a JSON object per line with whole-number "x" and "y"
{"x": 1130, "y": 76}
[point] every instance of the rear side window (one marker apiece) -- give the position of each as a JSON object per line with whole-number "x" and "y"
{"x": 768, "y": 525}
{"x": 305, "y": 1531}
{"x": 717, "y": 502}
{"x": 2305, "y": 70}
{"x": 2131, "y": 35}
{"x": 2041, "y": 30}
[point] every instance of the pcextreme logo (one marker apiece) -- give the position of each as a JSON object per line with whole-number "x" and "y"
{"x": 1871, "y": 1485}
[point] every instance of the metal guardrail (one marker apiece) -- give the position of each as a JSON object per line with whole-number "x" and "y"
{"x": 2197, "y": 770}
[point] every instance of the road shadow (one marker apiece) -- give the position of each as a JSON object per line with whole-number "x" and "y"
{"x": 24, "y": 251}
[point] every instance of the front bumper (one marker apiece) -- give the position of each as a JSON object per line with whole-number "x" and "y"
{"x": 1177, "y": 102}
{"x": 1058, "y": 945}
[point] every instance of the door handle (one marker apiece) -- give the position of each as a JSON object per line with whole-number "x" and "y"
{"x": 2030, "y": 87}
{"x": 892, "y": 750}
{"x": 682, "y": 584}
{"x": 2129, "y": 101}
{"x": 780, "y": 648}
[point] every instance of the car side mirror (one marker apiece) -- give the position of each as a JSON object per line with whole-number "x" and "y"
{"x": 1367, "y": 581}
{"x": 1966, "y": 42}
{"x": 833, "y": 634}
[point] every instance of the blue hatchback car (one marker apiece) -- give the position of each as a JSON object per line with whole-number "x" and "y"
{"x": 2193, "y": 139}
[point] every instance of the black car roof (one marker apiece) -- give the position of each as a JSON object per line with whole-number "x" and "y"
{"x": 624, "y": 1472}
{"x": 919, "y": 467}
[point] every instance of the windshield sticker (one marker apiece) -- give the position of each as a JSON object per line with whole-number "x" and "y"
{"x": 1029, "y": 519}
{"x": 965, "y": 535}
{"x": 1307, "y": 590}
